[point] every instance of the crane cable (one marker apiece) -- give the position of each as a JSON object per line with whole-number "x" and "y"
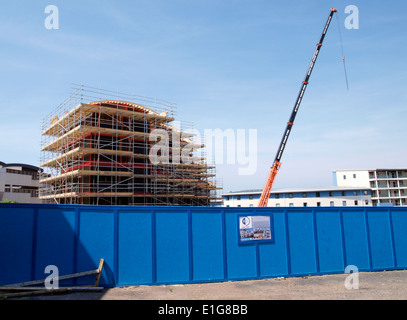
{"x": 343, "y": 55}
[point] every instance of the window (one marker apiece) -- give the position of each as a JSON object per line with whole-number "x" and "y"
{"x": 304, "y": 194}
{"x": 355, "y": 193}
{"x": 238, "y": 205}
{"x": 291, "y": 204}
{"x": 227, "y": 198}
{"x": 343, "y": 193}
{"x": 367, "y": 202}
{"x": 290, "y": 195}
{"x": 277, "y": 204}
{"x": 344, "y": 203}
{"x": 331, "y": 194}
{"x": 238, "y": 198}
{"x": 251, "y": 205}
{"x": 318, "y": 194}
{"x": 305, "y": 204}
{"x": 344, "y": 177}
{"x": 365, "y": 192}
{"x": 318, "y": 204}
{"x": 331, "y": 204}
{"x": 356, "y": 202}
{"x": 251, "y": 197}
{"x": 277, "y": 196}
{"x": 354, "y": 176}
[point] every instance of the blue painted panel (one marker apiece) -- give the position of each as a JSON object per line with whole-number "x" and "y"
{"x": 302, "y": 242}
{"x": 241, "y": 259}
{"x": 399, "y": 219}
{"x": 207, "y": 245}
{"x": 355, "y": 236}
{"x": 135, "y": 257}
{"x": 273, "y": 256}
{"x": 172, "y": 246}
{"x": 16, "y": 243}
{"x": 330, "y": 251}
{"x": 380, "y": 240}
{"x": 55, "y": 241}
{"x": 189, "y": 244}
{"x": 96, "y": 241}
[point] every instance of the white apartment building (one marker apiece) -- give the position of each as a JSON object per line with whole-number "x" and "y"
{"x": 389, "y": 186}
{"x": 19, "y": 182}
{"x": 302, "y": 197}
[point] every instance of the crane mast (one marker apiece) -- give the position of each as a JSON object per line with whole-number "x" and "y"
{"x": 277, "y": 164}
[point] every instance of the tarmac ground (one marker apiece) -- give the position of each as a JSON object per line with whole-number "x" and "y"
{"x": 383, "y": 285}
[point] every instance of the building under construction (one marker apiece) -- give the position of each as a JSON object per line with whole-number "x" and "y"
{"x": 106, "y": 148}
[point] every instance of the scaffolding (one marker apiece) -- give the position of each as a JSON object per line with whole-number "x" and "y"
{"x": 102, "y": 147}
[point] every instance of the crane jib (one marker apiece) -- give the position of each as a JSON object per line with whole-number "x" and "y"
{"x": 276, "y": 166}
{"x": 302, "y": 91}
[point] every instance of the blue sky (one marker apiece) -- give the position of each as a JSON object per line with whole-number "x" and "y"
{"x": 226, "y": 64}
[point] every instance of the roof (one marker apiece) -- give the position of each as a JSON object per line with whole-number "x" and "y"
{"x": 294, "y": 190}
{"x": 135, "y": 106}
{"x": 23, "y": 166}
{"x": 376, "y": 169}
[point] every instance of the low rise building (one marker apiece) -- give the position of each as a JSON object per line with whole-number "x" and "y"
{"x": 302, "y": 197}
{"x": 355, "y": 187}
{"x": 19, "y": 182}
{"x": 389, "y": 186}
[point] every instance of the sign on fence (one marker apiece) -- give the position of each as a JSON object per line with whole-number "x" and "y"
{"x": 254, "y": 229}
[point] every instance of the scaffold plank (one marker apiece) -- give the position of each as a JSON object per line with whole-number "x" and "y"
{"x": 82, "y": 109}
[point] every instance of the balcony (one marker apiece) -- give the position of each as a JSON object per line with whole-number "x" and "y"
{"x": 33, "y": 192}
{"x": 34, "y": 175}
{"x": 386, "y": 196}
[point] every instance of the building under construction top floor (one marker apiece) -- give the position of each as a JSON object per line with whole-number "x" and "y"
{"x": 106, "y": 148}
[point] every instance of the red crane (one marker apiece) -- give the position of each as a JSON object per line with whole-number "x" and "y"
{"x": 277, "y": 164}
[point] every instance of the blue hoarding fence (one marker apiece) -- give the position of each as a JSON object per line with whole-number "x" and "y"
{"x": 167, "y": 245}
